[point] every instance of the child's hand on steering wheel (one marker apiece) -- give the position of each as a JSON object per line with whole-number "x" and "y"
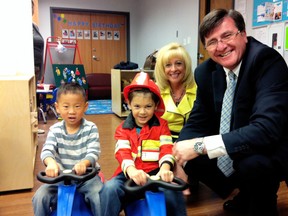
{"x": 138, "y": 176}
{"x": 80, "y": 168}
{"x": 52, "y": 169}
{"x": 165, "y": 173}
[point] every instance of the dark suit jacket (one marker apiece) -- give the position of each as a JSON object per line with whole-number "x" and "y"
{"x": 259, "y": 121}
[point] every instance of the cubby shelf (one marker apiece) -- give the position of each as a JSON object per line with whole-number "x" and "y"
{"x": 119, "y": 79}
{"x": 18, "y": 134}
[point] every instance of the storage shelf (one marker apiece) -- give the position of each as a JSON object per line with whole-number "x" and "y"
{"x": 18, "y": 133}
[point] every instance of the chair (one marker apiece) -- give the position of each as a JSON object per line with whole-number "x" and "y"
{"x": 47, "y": 104}
{"x": 99, "y": 86}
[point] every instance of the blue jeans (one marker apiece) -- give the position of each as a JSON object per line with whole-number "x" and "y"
{"x": 45, "y": 197}
{"x": 113, "y": 200}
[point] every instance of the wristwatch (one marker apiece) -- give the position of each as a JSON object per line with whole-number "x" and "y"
{"x": 199, "y": 147}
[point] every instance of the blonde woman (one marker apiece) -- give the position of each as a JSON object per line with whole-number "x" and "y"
{"x": 173, "y": 74}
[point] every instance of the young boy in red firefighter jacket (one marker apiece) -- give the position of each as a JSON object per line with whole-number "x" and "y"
{"x": 144, "y": 148}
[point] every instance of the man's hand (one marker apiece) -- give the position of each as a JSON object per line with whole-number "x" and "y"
{"x": 183, "y": 151}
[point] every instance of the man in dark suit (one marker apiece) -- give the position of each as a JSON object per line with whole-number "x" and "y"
{"x": 257, "y": 136}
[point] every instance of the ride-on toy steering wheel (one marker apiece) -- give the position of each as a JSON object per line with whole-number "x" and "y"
{"x": 154, "y": 204}
{"x": 70, "y": 202}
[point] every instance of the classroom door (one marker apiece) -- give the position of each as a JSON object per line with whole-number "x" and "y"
{"x": 205, "y": 7}
{"x": 101, "y": 37}
{"x": 109, "y": 41}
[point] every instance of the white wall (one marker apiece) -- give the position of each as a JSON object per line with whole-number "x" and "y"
{"x": 16, "y": 38}
{"x": 245, "y": 7}
{"x": 160, "y": 21}
{"x": 164, "y": 21}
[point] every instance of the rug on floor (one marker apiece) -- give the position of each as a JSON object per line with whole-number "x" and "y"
{"x": 99, "y": 107}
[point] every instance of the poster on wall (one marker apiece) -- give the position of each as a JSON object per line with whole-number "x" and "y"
{"x": 116, "y": 35}
{"x": 278, "y": 8}
{"x": 79, "y": 34}
{"x": 95, "y": 35}
{"x": 286, "y": 37}
{"x": 87, "y": 34}
{"x": 265, "y": 12}
{"x": 64, "y": 33}
{"x": 72, "y": 33}
{"x": 268, "y": 12}
{"x": 109, "y": 35}
{"x": 276, "y": 36}
{"x": 102, "y": 34}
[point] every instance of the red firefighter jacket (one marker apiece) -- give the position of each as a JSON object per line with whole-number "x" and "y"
{"x": 147, "y": 150}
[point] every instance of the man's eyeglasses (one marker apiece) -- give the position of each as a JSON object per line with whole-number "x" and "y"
{"x": 212, "y": 44}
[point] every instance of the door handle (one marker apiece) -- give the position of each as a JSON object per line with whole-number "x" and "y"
{"x": 200, "y": 56}
{"x": 95, "y": 58}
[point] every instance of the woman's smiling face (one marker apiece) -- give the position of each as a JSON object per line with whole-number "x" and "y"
{"x": 175, "y": 70}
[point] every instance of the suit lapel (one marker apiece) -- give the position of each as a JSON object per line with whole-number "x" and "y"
{"x": 219, "y": 86}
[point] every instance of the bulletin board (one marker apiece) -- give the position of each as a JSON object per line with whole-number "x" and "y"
{"x": 68, "y": 73}
{"x": 267, "y": 12}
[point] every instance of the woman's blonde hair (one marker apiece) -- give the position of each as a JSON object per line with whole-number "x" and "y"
{"x": 164, "y": 55}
